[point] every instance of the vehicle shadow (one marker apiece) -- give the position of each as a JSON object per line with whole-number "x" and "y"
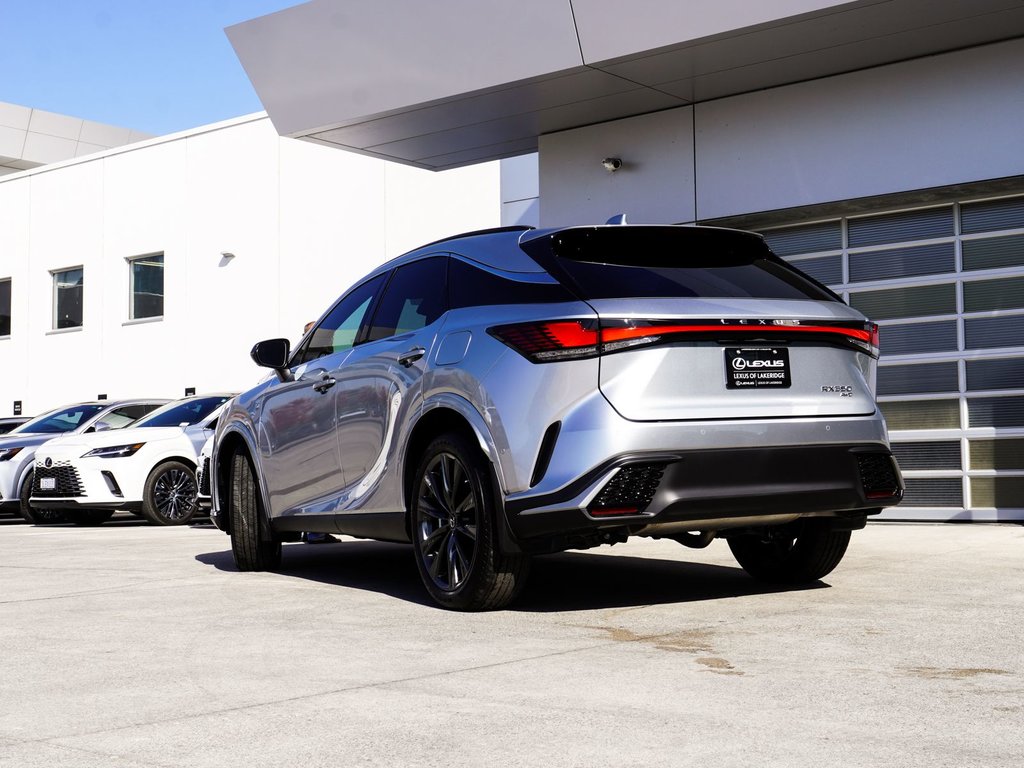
{"x": 568, "y": 581}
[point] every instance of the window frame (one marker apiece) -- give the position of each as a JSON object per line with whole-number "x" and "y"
{"x": 10, "y": 306}
{"x": 131, "y": 261}
{"x": 54, "y": 296}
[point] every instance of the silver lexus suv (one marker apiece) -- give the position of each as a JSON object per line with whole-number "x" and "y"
{"x": 515, "y": 392}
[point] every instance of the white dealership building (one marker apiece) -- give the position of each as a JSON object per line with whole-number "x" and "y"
{"x": 149, "y": 268}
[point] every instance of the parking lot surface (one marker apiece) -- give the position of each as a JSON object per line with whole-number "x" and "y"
{"x": 129, "y": 645}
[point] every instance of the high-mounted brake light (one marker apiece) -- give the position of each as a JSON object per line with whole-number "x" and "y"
{"x": 551, "y": 340}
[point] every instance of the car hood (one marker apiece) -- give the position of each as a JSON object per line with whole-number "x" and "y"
{"x": 27, "y": 439}
{"x": 117, "y": 437}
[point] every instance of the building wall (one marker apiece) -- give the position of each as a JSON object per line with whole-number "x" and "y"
{"x": 33, "y": 137}
{"x": 930, "y": 122}
{"x": 302, "y": 221}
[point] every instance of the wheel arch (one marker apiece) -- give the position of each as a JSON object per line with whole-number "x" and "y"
{"x": 451, "y": 413}
{"x": 234, "y": 440}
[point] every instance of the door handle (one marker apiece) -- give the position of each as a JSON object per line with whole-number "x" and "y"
{"x": 326, "y": 382}
{"x": 410, "y": 357}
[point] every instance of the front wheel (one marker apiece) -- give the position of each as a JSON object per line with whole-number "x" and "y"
{"x": 171, "y": 494}
{"x": 36, "y": 516}
{"x": 252, "y": 552}
{"x": 798, "y": 553}
{"x": 453, "y": 518}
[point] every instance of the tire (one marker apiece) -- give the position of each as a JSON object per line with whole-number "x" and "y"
{"x": 252, "y": 552}
{"x": 37, "y": 516}
{"x": 798, "y": 553}
{"x": 171, "y": 494}
{"x": 453, "y": 516}
{"x": 92, "y": 517}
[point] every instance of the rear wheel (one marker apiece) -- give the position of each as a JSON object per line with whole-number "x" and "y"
{"x": 252, "y": 552}
{"x": 801, "y": 552}
{"x": 171, "y": 494}
{"x": 453, "y": 517}
{"x": 37, "y": 516}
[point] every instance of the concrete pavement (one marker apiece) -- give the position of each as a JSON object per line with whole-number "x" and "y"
{"x": 129, "y": 646}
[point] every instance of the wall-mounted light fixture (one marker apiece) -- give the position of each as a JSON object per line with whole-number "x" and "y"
{"x": 227, "y": 255}
{"x": 612, "y": 164}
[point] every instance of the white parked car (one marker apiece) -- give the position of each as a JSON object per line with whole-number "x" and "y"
{"x": 203, "y": 475}
{"x": 149, "y": 467}
{"x": 18, "y": 448}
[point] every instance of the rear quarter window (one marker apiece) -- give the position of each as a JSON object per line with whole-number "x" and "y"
{"x": 471, "y": 286}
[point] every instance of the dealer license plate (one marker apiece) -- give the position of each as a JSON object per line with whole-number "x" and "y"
{"x": 48, "y": 483}
{"x": 756, "y": 367}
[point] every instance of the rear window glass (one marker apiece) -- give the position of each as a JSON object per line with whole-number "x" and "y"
{"x": 640, "y": 262}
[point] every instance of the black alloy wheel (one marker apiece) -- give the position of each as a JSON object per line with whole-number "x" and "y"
{"x": 453, "y": 530}
{"x": 171, "y": 494}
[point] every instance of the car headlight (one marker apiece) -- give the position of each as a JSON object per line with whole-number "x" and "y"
{"x": 10, "y": 453}
{"x": 113, "y": 451}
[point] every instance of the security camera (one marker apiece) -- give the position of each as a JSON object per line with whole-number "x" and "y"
{"x": 611, "y": 164}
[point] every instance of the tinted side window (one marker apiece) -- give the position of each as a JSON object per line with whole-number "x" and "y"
{"x": 470, "y": 286}
{"x": 339, "y": 330}
{"x": 414, "y": 298}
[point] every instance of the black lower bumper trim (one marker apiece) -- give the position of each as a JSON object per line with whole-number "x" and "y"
{"x": 811, "y": 480}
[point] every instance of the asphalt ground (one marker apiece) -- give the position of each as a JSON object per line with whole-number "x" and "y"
{"x": 129, "y": 645}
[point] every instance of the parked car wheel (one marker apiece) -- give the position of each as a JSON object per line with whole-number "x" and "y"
{"x": 91, "y": 517}
{"x": 252, "y": 552}
{"x": 170, "y": 495}
{"x": 37, "y": 516}
{"x": 453, "y": 530}
{"x": 792, "y": 554}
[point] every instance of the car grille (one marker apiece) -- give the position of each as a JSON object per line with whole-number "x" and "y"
{"x": 878, "y": 475}
{"x": 630, "y": 491}
{"x": 69, "y": 483}
{"x": 204, "y": 478}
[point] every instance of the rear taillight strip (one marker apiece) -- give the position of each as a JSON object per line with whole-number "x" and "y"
{"x": 551, "y": 340}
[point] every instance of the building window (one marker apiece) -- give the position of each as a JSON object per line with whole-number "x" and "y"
{"x": 146, "y": 278}
{"x": 5, "y": 307}
{"x": 67, "y": 298}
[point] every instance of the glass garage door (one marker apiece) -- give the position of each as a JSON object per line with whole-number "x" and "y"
{"x": 946, "y": 285}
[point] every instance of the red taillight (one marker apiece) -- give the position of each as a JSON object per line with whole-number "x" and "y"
{"x": 551, "y": 340}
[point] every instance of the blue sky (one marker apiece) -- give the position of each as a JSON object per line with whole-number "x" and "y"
{"x": 157, "y": 66}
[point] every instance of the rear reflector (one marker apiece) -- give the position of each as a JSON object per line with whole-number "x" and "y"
{"x": 879, "y": 476}
{"x": 552, "y": 340}
{"x": 629, "y": 492}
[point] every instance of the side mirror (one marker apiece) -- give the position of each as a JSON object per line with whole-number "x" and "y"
{"x": 101, "y": 426}
{"x": 273, "y": 353}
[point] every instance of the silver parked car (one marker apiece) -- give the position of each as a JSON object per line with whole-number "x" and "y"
{"x": 513, "y": 392}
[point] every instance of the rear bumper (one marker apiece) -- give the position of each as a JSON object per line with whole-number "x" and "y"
{"x": 665, "y": 492}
